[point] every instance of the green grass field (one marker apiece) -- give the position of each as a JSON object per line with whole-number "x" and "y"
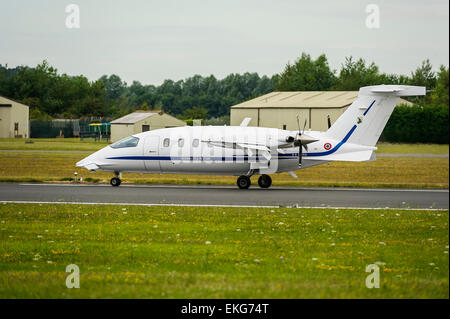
{"x": 18, "y": 163}
{"x": 52, "y": 144}
{"x": 393, "y": 148}
{"x": 75, "y": 144}
{"x": 384, "y": 172}
{"x": 189, "y": 252}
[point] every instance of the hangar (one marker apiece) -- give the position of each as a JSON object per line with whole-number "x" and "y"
{"x": 14, "y": 119}
{"x": 142, "y": 121}
{"x": 280, "y": 109}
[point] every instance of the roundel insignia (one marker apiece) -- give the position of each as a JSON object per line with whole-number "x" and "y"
{"x": 327, "y": 146}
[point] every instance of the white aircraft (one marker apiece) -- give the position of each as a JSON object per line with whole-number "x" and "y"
{"x": 245, "y": 151}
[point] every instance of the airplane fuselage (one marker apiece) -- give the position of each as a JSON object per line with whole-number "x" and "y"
{"x": 218, "y": 150}
{"x": 246, "y": 151}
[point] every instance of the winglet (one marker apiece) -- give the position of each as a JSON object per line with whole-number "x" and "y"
{"x": 245, "y": 121}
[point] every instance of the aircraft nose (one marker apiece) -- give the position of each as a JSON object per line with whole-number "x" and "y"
{"x": 89, "y": 163}
{"x": 92, "y": 162}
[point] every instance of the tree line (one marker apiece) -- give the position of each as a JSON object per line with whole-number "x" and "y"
{"x": 53, "y": 95}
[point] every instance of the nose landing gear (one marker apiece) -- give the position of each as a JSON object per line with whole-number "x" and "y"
{"x": 115, "y": 181}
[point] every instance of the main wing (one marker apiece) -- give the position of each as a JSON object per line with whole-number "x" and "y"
{"x": 251, "y": 148}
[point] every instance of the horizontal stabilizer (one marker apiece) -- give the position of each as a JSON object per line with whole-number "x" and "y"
{"x": 397, "y": 90}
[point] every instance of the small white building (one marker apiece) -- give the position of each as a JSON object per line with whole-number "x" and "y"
{"x": 142, "y": 121}
{"x": 14, "y": 119}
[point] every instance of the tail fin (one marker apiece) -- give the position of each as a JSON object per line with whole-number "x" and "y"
{"x": 363, "y": 122}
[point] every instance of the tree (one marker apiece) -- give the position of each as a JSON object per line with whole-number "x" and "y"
{"x": 195, "y": 113}
{"x": 439, "y": 96}
{"x": 306, "y": 74}
{"x": 356, "y": 74}
{"x": 424, "y": 75}
{"x": 113, "y": 85}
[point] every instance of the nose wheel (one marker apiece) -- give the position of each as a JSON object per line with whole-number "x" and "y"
{"x": 264, "y": 181}
{"x": 115, "y": 181}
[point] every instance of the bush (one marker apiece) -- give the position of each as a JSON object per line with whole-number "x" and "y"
{"x": 418, "y": 124}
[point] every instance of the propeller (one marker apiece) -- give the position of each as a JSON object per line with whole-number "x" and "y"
{"x": 299, "y": 141}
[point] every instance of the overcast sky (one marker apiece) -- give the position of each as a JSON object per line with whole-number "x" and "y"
{"x": 150, "y": 41}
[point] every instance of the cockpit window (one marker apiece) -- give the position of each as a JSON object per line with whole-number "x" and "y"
{"x": 130, "y": 141}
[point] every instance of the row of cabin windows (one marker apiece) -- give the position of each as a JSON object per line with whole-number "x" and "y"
{"x": 195, "y": 142}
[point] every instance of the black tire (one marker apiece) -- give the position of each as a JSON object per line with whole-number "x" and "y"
{"x": 264, "y": 181}
{"x": 115, "y": 181}
{"x": 243, "y": 182}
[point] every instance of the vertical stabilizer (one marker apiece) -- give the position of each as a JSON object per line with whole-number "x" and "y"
{"x": 363, "y": 122}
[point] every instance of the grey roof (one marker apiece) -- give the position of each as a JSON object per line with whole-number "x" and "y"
{"x": 133, "y": 117}
{"x": 4, "y": 101}
{"x": 304, "y": 99}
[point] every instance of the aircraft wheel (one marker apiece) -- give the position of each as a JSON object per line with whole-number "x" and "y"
{"x": 243, "y": 182}
{"x": 115, "y": 181}
{"x": 264, "y": 181}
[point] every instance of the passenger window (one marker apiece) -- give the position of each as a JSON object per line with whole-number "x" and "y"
{"x": 195, "y": 142}
{"x": 166, "y": 142}
{"x": 180, "y": 142}
{"x": 130, "y": 141}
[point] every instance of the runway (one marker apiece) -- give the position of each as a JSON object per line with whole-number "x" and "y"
{"x": 226, "y": 196}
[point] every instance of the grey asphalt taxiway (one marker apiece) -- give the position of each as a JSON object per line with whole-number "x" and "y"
{"x": 226, "y": 195}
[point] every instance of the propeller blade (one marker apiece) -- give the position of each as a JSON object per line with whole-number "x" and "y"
{"x": 300, "y": 155}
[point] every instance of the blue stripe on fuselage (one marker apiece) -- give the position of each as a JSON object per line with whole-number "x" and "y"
{"x": 199, "y": 158}
{"x": 345, "y": 139}
{"x": 334, "y": 149}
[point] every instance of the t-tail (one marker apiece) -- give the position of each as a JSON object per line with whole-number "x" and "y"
{"x": 354, "y": 135}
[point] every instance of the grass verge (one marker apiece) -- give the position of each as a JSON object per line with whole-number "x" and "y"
{"x": 52, "y": 144}
{"x": 88, "y": 144}
{"x": 398, "y": 148}
{"x": 384, "y": 172}
{"x": 191, "y": 252}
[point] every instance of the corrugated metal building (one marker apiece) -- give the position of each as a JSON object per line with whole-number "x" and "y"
{"x": 141, "y": 121}
{"x": 14, "y": 119}
{"x": 280, "y": 109}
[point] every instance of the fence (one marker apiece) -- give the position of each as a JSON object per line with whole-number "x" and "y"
{"x": 69, "y": 128}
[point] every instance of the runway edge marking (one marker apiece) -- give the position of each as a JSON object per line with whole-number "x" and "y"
{"x": 212, "y": 205}
{"x": 318, "y": 188}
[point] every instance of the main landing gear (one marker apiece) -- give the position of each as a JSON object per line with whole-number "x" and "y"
{"x": 243, "y": 182}
{"x": 264, "y": 181}
{"x": 115, "y": 181}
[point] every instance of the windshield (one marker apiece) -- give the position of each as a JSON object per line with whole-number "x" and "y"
{"x": 131, "y": 141}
